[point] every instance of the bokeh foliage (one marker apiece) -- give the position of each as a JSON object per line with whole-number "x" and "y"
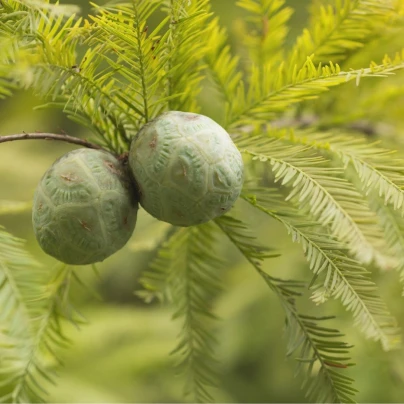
{"x": 122, "y": 354}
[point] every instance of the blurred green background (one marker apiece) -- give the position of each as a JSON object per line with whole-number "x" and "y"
{"x": 122, "y": 355}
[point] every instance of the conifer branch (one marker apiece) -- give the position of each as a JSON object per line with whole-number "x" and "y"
{"x": 376, "y": 167}
{"x": 343, "y": 277}
{"x": 188, "y": 265}
{"x": 378, "y": 174}
{"x": 48, "y": 338}
{"x": 93, "y": 98}
{"x": 141, "y": 58}
{"x": 223, "y": 66}
{"x": 321, "y": 190}
{"x": 155, "y": 279}
{"x": 273, "y": 91}
{"x": 393, "y": 225}
{"x": 16, "y": 292}
{"x": 314, "y": 344}
{"x": 270, "y": 19}
{"x": 136, "y": 56}
{"x": 339, "y": 29}
{"x": 186, "y": 43}
{"x": 351, "y": 124}
{"x": 20, "y": 292}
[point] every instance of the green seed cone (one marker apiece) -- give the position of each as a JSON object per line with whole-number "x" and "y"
{"x": 84, "y": 207}
{"x": 187, "y": 168}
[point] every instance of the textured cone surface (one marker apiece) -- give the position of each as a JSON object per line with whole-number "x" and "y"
{"x": 84, "y": 207}
{"x": 187, "y": 168}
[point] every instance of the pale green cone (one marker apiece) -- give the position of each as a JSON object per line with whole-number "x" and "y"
{"x": 187, "y": 168}
{"x": 84, "y": 207}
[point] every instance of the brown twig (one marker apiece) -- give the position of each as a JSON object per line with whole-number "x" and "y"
{"x": 50, "y": 136}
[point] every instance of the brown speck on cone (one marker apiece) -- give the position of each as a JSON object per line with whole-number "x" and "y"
{"x": 192, "y": 117}
{"x": 68, "y": 177}
{"x": 84, "y": 225}
{"x": 153, "y": 143}
{"x": 123, "y": 158}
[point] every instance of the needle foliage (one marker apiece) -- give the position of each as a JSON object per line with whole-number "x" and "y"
{"x": 335, "y": 192}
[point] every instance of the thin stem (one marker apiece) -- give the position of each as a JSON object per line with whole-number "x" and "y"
{"x": 50, "y": 136}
